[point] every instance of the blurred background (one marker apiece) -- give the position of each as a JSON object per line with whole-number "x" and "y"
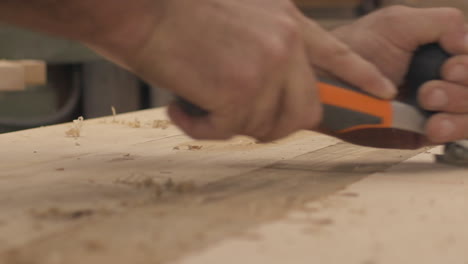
{"x": 80, "y": 83}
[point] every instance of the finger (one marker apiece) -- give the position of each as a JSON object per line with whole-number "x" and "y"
{"x": 443, "y": 128}
{"x": 262, "y": 116}
{"x": 213, "y": 127}
{"x": 426, "y": 26}
{"x": 302, "y": 108}
{"x": 456, "y": 70}
{"x": 331, "y": 55}
{"x": 444, "y": 96}
{"x": 266, "y": 105}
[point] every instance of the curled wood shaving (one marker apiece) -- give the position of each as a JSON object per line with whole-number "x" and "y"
{"x": 114, "y": 114}
{"x": 75, "y": 131}
{"x": 192, "y": 147}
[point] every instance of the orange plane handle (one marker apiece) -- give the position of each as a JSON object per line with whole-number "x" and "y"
{"x": 347, "y": 109}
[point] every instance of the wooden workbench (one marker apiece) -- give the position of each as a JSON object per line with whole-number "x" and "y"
{"x": 133, "y": 189}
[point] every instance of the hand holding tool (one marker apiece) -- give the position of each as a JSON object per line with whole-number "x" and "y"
{"x": 348, "y": 109}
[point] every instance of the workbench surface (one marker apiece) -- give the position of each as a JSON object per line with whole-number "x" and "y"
{"x": 131, "y": 190}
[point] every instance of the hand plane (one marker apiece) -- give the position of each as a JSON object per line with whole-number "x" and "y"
{"x": 347, "y": 109}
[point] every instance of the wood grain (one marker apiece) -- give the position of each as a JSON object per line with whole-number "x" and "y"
{"x": 414, "y": 212}
{"x": 130, "y": 191}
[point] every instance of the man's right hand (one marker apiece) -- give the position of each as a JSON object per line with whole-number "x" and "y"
{"x": 250, "y": 63}
{"x": 389, "y": 37}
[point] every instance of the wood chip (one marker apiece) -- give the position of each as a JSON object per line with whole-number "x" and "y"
{"x": 75, "y": 131}
{"x": 161, "y": 124}
{"x": 135, "y": 124}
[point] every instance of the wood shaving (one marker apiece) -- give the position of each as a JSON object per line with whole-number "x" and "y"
{"x": 75, "y": 131}
{"x": 192, "y": 147}
{"x": 135, "y": 124}
{"x": 114, "y": 114}
{"x": 189, "y": 147}
{"x": 161, "y": 124}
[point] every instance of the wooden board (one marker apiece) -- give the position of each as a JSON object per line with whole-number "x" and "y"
{"x": 130, "y": 190}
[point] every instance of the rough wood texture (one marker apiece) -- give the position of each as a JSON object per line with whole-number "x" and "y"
{"x": 133, "y": 189}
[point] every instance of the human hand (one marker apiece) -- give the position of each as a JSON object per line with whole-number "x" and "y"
{"x": 388, "y": 38}
{"x": 250, "y": 63}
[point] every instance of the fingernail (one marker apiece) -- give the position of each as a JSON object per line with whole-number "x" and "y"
{"x": 437, "y": 99}
{"x": 457, "y": 73}
{"x": 446, "y": 130}
{"x": 389, "y": 90}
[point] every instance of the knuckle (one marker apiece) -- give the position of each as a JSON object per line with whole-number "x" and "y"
{"x": 290, "y": 28}
{"x": 242, "y": 81}
{"x": 395, "y": 13}
{"x": 277, "y": 47}
{"x": 335, "y": 53}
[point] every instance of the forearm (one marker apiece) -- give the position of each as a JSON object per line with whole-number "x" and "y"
{"x": 94, "y": 22}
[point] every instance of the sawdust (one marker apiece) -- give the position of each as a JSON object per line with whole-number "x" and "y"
{"x": 189, "y": 147}
{"x": 175, "y": 223}
{"x": 158, "y": 188}
{"x": 161, "y": 124}
{"x": 126, "y": 157}
{"x": 75, "y": 131}
{"x": 192, "y": 147}
{"x": 54, "y": 213}
{"x": 135, "y": 123}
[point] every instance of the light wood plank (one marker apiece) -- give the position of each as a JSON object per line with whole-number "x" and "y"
{"x": 121, "y": 194}
{"x": 415, "y": 212}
